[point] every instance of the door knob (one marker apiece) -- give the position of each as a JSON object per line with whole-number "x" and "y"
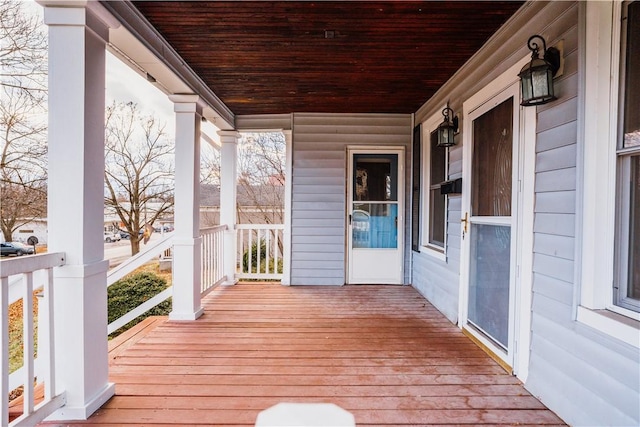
{"x": 464, "y": 221}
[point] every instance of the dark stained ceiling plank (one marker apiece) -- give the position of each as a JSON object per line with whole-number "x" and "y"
{"x": 264, "y": 57}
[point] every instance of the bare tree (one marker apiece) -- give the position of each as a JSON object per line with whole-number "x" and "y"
{"x": 138, "y": 169}
{"x": 261, "y": 176}
{"x": 261, "y": 166}
{"x": 23, "y": 72}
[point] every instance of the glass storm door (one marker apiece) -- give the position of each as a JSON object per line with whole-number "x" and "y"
{"x": 375, "y": 217}
{"x": 489, "y": 227}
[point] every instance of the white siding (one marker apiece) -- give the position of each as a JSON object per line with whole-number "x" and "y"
{"x": 585, "y": 376}
{"x": 319, "y": 187}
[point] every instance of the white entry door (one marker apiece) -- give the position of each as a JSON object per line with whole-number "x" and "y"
{"x": 489, "y": 223}
{"x": 375, "y": 216}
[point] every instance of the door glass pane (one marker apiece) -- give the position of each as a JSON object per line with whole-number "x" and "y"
{"x": 375, "y": 226}
{"x": 489, "y": 274}
{"x": 437, "y": 214}
{"x": 375, "y": 177}
{"x": 492, "y": 164}
{"x": 438, "y": 157}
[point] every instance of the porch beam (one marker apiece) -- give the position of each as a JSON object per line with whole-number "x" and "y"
{"x": 228, "y": 184}
{"x": 186, "y": 303}
{"x": 152, "y": 40}
{"x": 78, "y": 33}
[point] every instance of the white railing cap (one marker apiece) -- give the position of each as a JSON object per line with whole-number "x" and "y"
{"x": 31, "y": 263}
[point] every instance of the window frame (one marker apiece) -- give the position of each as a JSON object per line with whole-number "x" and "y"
{"x": 601, "y": 30}
{"x": 624, "y": 159}
{"x": 428, "y": 126}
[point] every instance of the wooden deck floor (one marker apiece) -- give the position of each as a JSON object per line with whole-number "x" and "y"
{"x": 381, "y": 352}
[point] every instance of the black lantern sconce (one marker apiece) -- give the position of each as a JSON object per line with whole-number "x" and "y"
{"x": 447, "y": 129}
{"x": 536, "y": 78}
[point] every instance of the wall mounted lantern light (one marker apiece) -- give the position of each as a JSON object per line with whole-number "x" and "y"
{"x": 447, "y": 129}
{"x": 536, "y": 77}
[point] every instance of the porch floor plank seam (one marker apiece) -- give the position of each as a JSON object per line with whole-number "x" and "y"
{"x": 381, "y": 352}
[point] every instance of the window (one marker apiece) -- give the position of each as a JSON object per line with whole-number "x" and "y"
{"x": 415, "y": 190}
{"x": 437, "y": 202}
{"x": 610, "y": 175}
{"x": 627, "y": 283}
{"x": 429, "y": 226}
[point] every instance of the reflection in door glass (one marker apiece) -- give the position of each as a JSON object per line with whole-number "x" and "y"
{"x": 374, "y": 225}
{"x": 375, "y": 177}
{"x": 489, "y": 276}
{"x": 492, "y": 163}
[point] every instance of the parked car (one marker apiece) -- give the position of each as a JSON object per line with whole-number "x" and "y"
{"x": 15, "y": 248}
{"x": 111, "y": 237}
{"x": 125, "y": 235}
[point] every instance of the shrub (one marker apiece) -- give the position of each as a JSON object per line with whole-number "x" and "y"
{"x": 128, "y": 293}
{"x": 263, "y": 259}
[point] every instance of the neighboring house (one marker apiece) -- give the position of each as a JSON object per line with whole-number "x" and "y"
{"x": 255, "y": 205}
{"x": 36, "y": 228}
{"x": 536, "y": 256}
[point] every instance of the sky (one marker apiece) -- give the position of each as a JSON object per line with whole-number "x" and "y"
{"x": 123, "y": 84}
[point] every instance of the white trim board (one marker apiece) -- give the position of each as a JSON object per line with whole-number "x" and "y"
{"x": 522, "y": 221}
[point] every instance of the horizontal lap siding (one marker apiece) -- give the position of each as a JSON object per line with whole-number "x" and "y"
{"x": 439, "y": 280}
{"x": 587, "y": 378}
{"x": 319, "y": 187}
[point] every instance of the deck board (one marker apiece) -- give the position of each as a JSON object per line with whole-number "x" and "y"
{"x": 381, "y": 352}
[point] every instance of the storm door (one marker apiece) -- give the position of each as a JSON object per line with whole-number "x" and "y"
{"x": 374, "y": 216}
{"x": 489, "y": 225}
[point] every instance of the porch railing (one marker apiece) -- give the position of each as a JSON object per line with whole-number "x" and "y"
{"x": 211, "y": 270}
{"x": 260, "y": 249}
{"x": 259, "y": 257}
{"x": 26, "y": 275}
{"x": 212, "y": 257}
{"x": 137, "y": 261}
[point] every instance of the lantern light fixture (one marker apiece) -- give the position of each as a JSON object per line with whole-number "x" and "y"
{"x": 536, "y": 77}
{"x": 448, "y": 128}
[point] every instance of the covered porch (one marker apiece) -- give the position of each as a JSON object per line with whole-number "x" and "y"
{"x": 381, "y": 352}
{"x": 351, "y": 89}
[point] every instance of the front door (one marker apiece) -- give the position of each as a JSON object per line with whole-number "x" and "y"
{"x": 489, "y": 226}
{"x": 374, "y": 216}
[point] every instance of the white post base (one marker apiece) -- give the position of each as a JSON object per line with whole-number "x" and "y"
{"x": 69, "y": 413}
{"x": 229, "y": 282}
{"x": 229, "y": 244}
{"x": 186, "y": 316}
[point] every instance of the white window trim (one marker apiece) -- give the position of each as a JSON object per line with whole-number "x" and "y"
{"x": 599, "y": 87}
{"x": 428, "y": 126}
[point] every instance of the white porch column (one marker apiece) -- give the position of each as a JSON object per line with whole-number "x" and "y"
{"x": 77, "y": 37}
{"x": 288, "y": 185}
{"x": 187, "y": 248}
{"x": 228, "y": 183}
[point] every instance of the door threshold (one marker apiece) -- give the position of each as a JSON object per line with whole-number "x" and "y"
{"x": 492, "y": 354}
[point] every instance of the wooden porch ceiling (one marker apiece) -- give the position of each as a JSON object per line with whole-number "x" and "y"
{"x": 381, "y": 352}
{"x": 263, "y": 57}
